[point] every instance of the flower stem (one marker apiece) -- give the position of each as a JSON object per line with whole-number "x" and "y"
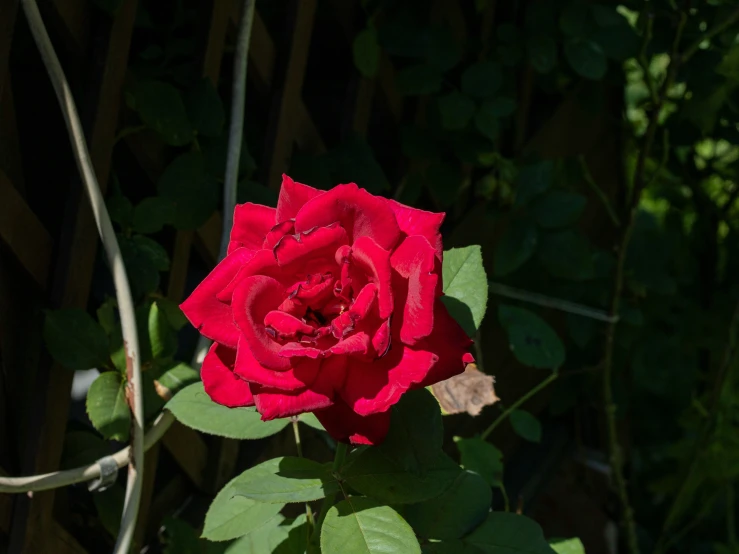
{"x": 341, "y": 450}
{"x": 517, "y": 403}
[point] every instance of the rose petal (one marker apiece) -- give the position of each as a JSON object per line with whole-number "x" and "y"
{"x": 359, "y": 212}
{"x": 220, "y": 383}
{"x": 292, "y": 197}
{"x": 415, "y": 261}
{"x": 375, "y": 261}
{"x": 286, "y": 325}
{"x": 252, "y": 222}
{"x": 345, "y": 425}
{"x": 253, "y": 299}
{"x": 364, "y": 301}
{"x": 292, "y": 349}
{"x": 277, "y": 232}
{"x": 374, "y": 387}
{"x": 298, "y": 377}
{"x": 272, "y": 403}
{"x": 419, "y": 222}
{"x": 357, "y": 344}
{"x": 450, "y": 343}
{"x": 321, "y": 242}
{"x": 381, "y": 339}
{"x": 212, "y": 317}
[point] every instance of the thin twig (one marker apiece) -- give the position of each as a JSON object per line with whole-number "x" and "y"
{"x": 598, "y": 191}
{"x": 516, "y": 404}
{"x": 639, "y": 183}
{"x": 708, "y": 35}
{"x": 115, "y": 261}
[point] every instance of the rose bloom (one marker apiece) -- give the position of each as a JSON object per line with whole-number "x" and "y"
{"x": 330, "y": 304}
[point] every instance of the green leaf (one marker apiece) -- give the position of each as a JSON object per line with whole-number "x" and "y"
{"x": 533, "y": 342}
{"x": 109, "y": 506}
{"x": 107, "y": 407}
{"x": 106, "y": 315}
{"x": 487, "y": 122}
{"x": 456, "y": 110}
{"x": 443, "y": 50}
{"x": 286, "y": 479}
{"x": 482, "y": 79}
{"x": 481, "y": 457}
{"x": 500, "y": 533}
{"x": 174, "y": 315}
{"x": 311, "y": 421}
{"x": 418, "y": 80}
{"x": 533, "y": 179}
{"x": 499, "y": 106}
{"x": 581, "y": 329}
{"x": 586, "y": 58}
{"x": 526, "y": 425}
{"x": 161, "y": 335}
{"x": 176, "y": 378}
{"x": 409, "y": 465}
{"x": 366, "y": 52}
{"x": 194, "y": 195}
{"x": 542, "y": 51}
{"x": 82, "y": 448}
{"x": 577, "y": 20}
{"x": 161, "y": 108}
{"x": 359, "y": 525}
{"x": 144, "y": 259}
{"x": 231, "y": 516}
{"x": 194, "y": 408}
{"x": 205, "y": 108}
{"x": 120, "y": 210}
{"x": 74, "y": 339}
{"x": 465, "y": 286}
{"x": 377, "y": 475}
{"x": 566, "y": 255}
{"x": 277, "y": 536}
{"x": 567, "y": 546}
{"x": 556, "y": 208}
{"x": 152, "y": 214}
{"x": 516, "y": 246}
{"x": 454, "y": 513}
{"x": 618, "y": 41}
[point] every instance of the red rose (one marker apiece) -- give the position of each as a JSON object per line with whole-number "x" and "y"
{"x": 327, "y": 304}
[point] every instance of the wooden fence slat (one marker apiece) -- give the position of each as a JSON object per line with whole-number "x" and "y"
{"x": 21, "y": 230}
{"x": 33, "y": 525}
{"x": 282, "y": 136}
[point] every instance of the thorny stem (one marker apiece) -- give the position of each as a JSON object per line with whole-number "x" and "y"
{"x": 639, "y": 183}
{"x": 516, "y": 404}
{"x": 299, "y": 448}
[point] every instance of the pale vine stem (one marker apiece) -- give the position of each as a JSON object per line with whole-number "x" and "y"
{"x": 115, "y": 261}
{"x": 140, "y": 443}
